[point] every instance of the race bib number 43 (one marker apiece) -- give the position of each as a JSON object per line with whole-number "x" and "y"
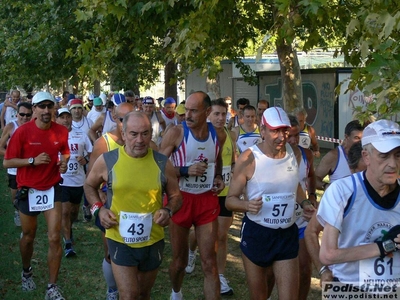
{"x": 41, "y": 200}
{"x": 134, "y": 227}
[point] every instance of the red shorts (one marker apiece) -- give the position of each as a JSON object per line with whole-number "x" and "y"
{"x": 197, "y": 209}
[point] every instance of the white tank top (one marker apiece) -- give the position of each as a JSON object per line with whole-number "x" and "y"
{"x": 360, "y": 221}
{"x": 13, "y": 171}
{"x": 275, "y": 180}
{"x": 342, "y": 168}
{"x": 191, "y": 151}
{"x": 85, "y": 124}
{"x": 109, "y": 124}
{"x": 155, "y": 124}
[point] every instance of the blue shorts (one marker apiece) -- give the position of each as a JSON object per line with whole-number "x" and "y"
{"x": 301, "y": 232}
{"x": 263, "y": 245}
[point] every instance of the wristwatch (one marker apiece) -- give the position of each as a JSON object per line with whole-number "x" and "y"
{"x": 389, "y": 246}
{"x": 169, "y": 211}
{"x": 31, "y": 160}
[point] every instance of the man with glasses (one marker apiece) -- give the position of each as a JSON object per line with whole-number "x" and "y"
{"x": 130, "y": 97}
{"x": 24, "y": 115}
{"x": 40, "y": 151}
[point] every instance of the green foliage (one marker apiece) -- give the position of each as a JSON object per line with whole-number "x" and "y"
{"x": 372, "y": 43}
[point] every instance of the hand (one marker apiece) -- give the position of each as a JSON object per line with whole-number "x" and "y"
{"x": 218, "y": 185}
{"x": 81, "y": 160}
{"x": 107, "y": 218}
{"x": 161, "y": 217}
{"x": 394, "y": 235}
{"x": 42, "y": 158}
{"x": 317, "y": 154}
{"x": 325, "y": 277}
{"x": 197, "y": 169}
{"x": 308, "y": 211}
{"x": 63, "y": 166}
{"x": 254, "y": 206}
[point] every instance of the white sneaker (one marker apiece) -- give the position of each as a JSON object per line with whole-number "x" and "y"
{"x": 176, "y": 296}
{"x": 27, "y": 282}
{"x": 53, "y": 293}
{"x": 226, "y": 290}
{"x": 17, "y": 220}
{"x": 112, "y": 295}
{"x": 191, "y": 262}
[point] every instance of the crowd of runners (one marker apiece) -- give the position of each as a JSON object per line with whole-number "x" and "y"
{"x": 135, "y": 166}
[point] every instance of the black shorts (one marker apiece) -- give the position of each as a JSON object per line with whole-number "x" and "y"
{"x": 223, "y": 212}
{"x": 12, "y": 181}
{"x": 263, "y": 245}
{"x": 23, "y": 205}
{"x": 147, "y": 258}
{"x": 71, "y": 194}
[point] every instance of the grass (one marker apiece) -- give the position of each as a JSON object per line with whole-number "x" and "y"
{"x": 81, "y": 277}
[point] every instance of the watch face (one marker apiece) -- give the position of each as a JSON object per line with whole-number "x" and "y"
{"x": 389, "y": 246}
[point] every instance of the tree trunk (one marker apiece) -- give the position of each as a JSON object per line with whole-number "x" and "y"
{"x": 214, "y": 88}
{"x": 171, "y": 89}
{"x": 96, "y": 87}
{"x": 291, "y": 76}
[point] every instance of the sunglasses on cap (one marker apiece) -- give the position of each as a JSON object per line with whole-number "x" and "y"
{"x": 43, "y": 106}
{"x": 25, "y": 115}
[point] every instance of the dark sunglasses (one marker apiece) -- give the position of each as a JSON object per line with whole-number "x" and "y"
{"x": 25, "y": 115}
{"x": 43, "y": 106}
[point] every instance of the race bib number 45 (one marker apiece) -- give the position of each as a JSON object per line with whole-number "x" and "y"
{"x": 135, "y": 227}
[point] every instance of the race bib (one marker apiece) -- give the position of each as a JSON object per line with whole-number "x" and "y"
{"x": 226, "y": 175}
{"x": 41, "y": 200}
{"x": 278, "y": 210}
{"x": 380, "y": 271}
{"x": 198, "y": 184}
{"x": 304, "y": 141}
{"x": 135, "y": 227}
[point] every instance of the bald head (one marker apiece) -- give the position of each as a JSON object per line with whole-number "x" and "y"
{"x": 137, "y": 117}
{"x": 123, "y": 109}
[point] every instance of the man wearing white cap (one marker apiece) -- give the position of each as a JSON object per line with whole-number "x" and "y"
{"x": 39, "y": 149}
{"x": 269, "y": 236}
{"x": 360, "y": 213}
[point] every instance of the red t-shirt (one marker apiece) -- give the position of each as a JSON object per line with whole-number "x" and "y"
{"x": 29, "y": 141}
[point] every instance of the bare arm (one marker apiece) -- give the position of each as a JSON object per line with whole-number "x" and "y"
{"x": 99, "y": 148}
{"x": 311, "y": 237}
{"x": 4, "y": 138}
{"x": 330, "y": 252}
{"x": 311, "y": 180}
{"x": 3, "y": 113}
{"x": 314, "y": 142}
{"x": 97, "y": 126}
{"x": 325, "y": 167}
{"x": 244, "y": 169}
{"x": 174, "y": 196}
{"x": 93, "y": 180}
